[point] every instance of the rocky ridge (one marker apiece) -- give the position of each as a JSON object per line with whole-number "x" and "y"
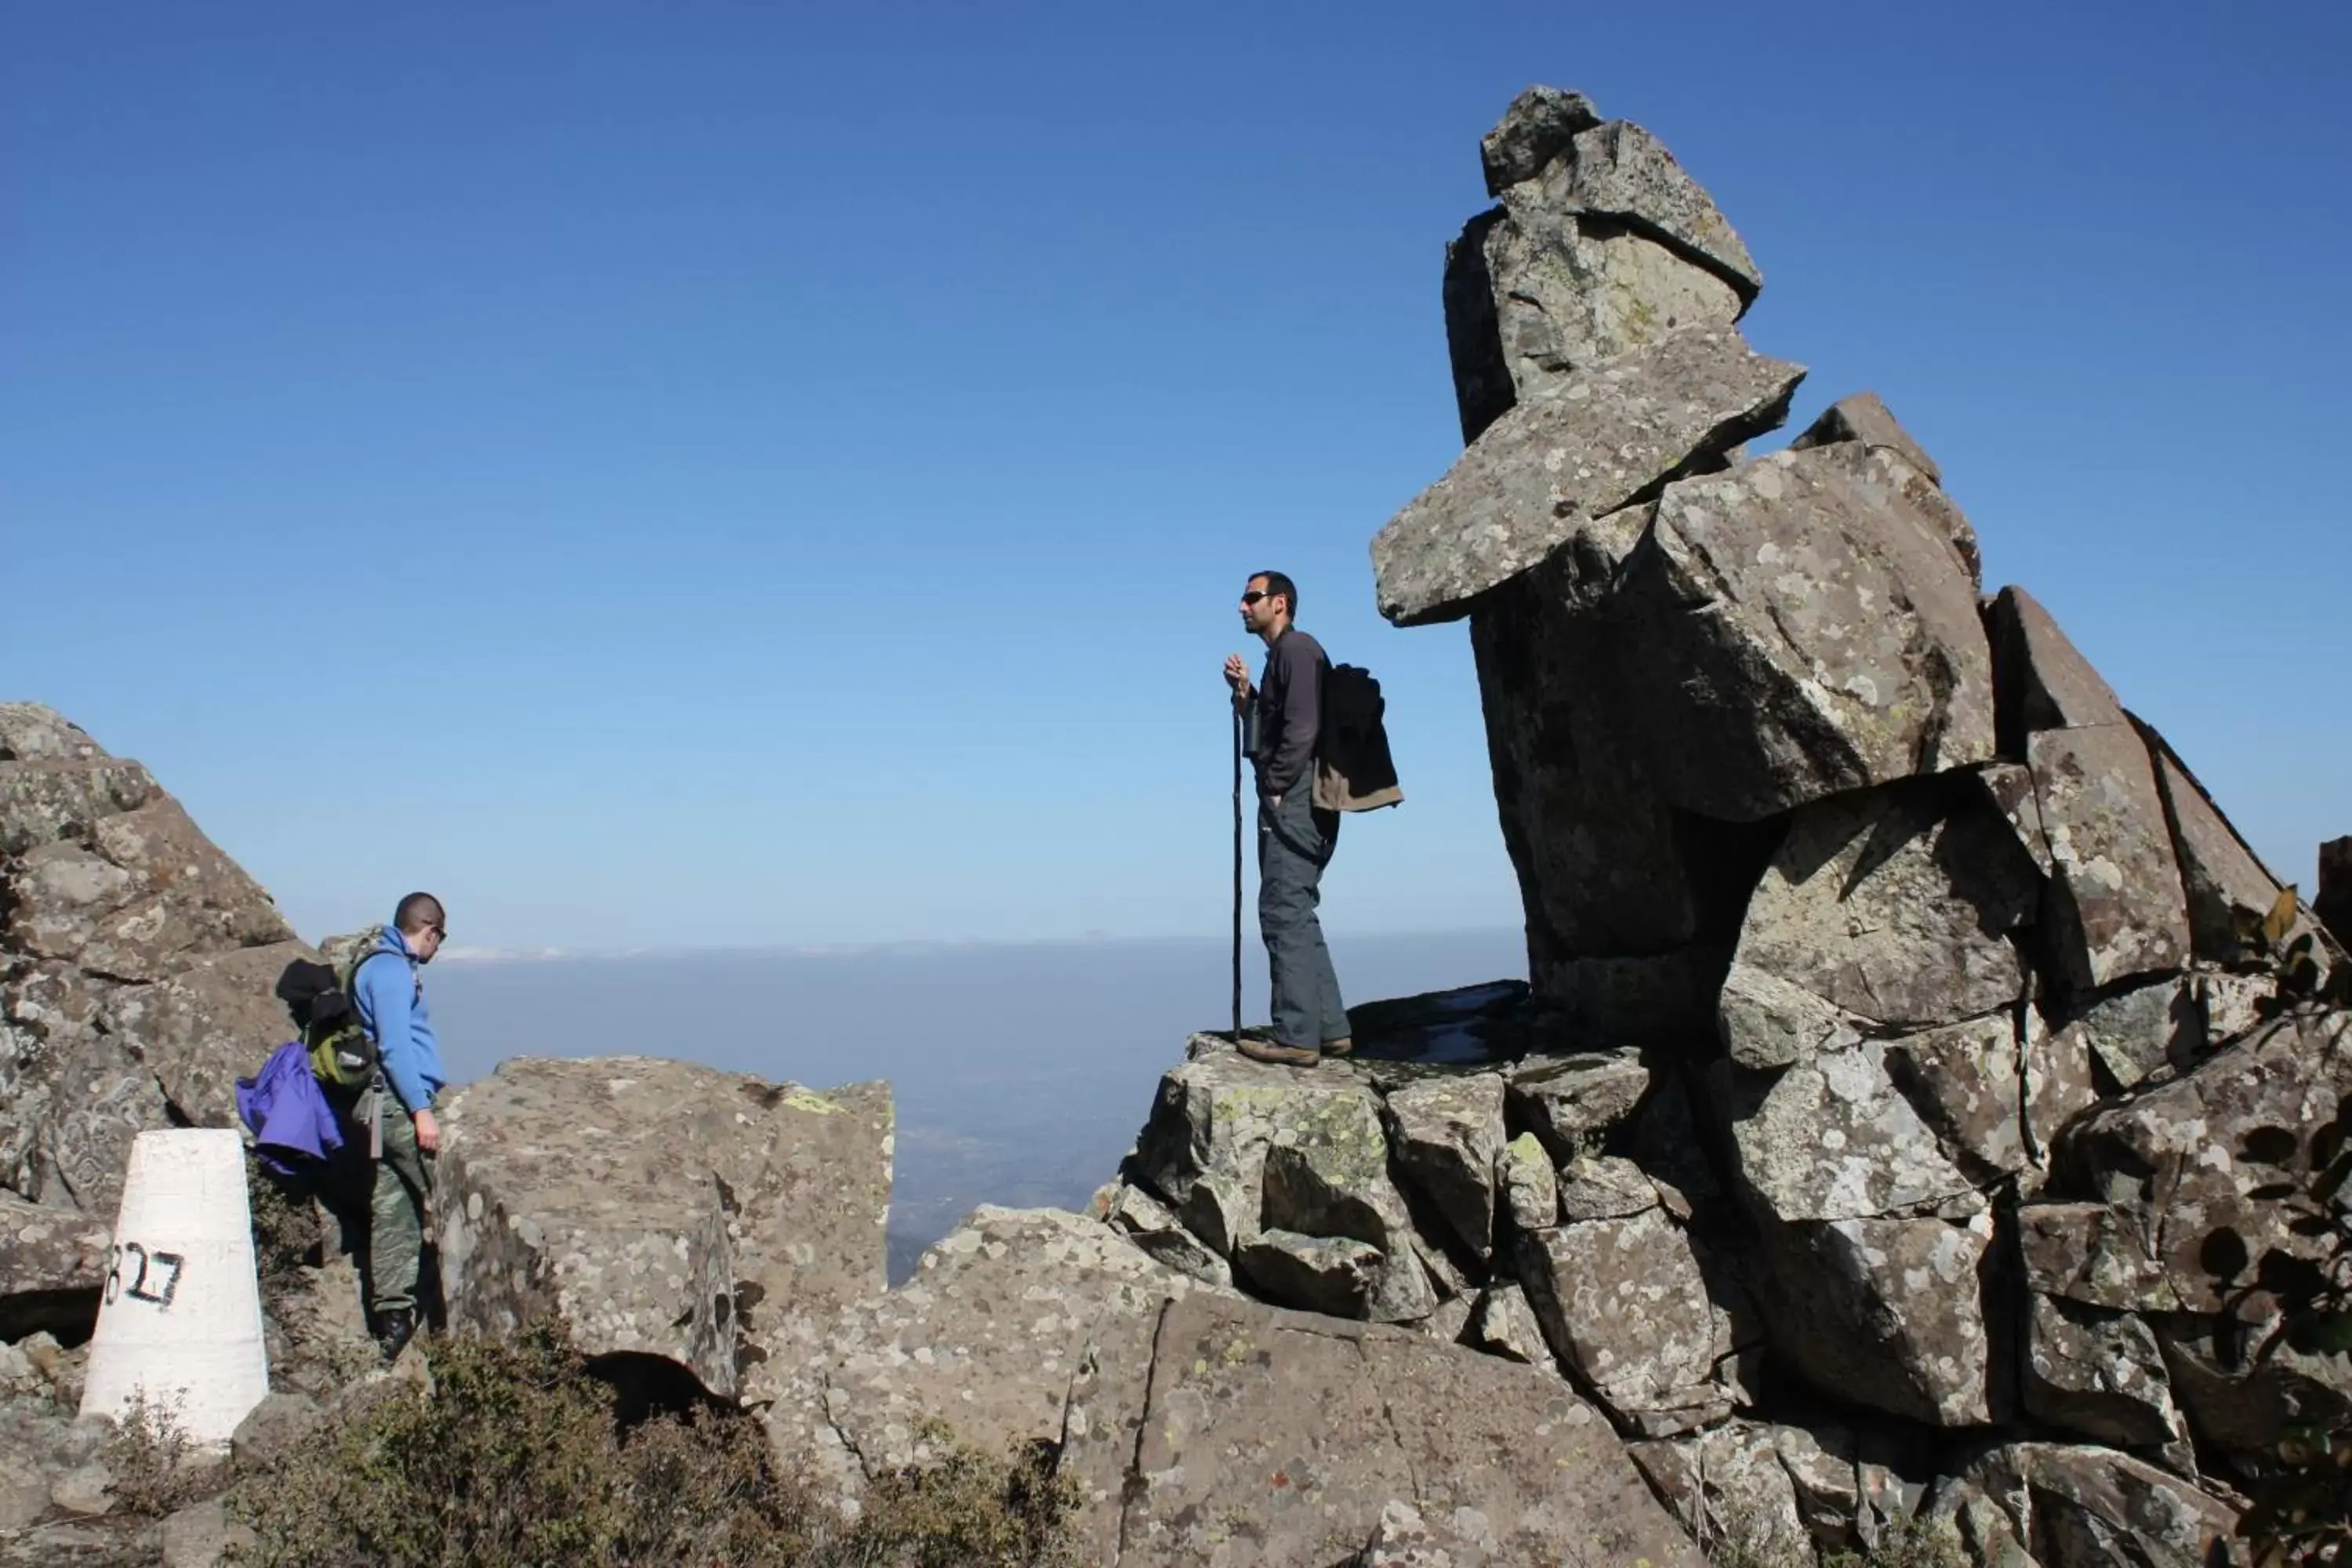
{"x": 1902, "y": 1043}
{"x": 1905, "y": 1041}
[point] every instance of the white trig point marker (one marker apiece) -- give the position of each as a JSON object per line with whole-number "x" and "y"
{"x": 179, "y": 1320}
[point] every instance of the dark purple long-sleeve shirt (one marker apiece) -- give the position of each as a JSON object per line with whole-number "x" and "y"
{"x": 1289, "y": 700}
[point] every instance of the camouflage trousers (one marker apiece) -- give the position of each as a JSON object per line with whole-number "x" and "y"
{"x": 401, "y": 1186}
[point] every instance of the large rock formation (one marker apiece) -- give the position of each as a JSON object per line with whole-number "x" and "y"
{"x": 136, "y": 967}
{"x": 1933, "y": 1062}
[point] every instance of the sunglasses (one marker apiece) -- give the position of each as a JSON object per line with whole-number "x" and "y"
{"x": 1253, "y": 595}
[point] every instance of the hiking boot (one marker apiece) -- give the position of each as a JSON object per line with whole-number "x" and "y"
{"x": 394, "y": 1330}
{"x": 1259, "y": 1050}
{"x": 1340, "y": 1046}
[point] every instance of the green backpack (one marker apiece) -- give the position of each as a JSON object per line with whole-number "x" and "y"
{"x": 342, "y": 1056}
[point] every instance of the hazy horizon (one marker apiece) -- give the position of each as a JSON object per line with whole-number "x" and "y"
{"x": 1020, "y": 1071}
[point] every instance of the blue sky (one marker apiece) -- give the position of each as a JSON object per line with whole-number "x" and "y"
{"x": 743, "y": 474}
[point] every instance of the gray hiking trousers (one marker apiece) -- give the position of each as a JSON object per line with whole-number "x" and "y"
{"x": 1294, "y": 844}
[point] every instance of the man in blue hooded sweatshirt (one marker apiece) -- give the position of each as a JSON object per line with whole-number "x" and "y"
{"x": 390, "y": 997}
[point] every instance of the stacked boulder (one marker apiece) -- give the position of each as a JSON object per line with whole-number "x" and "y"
{"x": 1902, "y": 1106}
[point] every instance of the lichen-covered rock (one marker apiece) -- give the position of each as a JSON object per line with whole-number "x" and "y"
{"x": 1333, "y": 1275}
{"x": 2046, "y": 681}
{"x": 1325, "y": 1174}
{"x": 1154, "y": 1228}
{"x": 2010, "y": 788}
{"x": 1967, "y": 1081}
{"x": 2179, "y": 1164}
{"x": 1864, "y": 417}
{"x": 2220, "y": 874}
{"x": 1834, "y": 1139}
{"x": 44, "y": 801}
{"x": 2115, "y": 907}
{"x": 1602, "y": 244}
{"x": 1534, "y": 294}
{"x": 1530, "y": 1185}
{"x": 1588, "y": 446}
{"x": 2165, "y": 1222}
{"x": 315, "y": 1325}
{"x": 1203, "y": 1148}
{"x": 2060, "y": 1084}
{"x": 1895, "y": 907}
{"x": 212, "y": 1021}
{"x": 1806, "y": 625}
{"x": 31, "y": 732}
{"x": 2233, "y": 1006}
{"x": 1768, "y": 1022}
{"x": 1851, "y": 1484}
{"x": 1640, "y": 999}
{"x": 1620, "y": 170}
{"x": 986, "y": 1336}
{"x": 1504, "y": 1324}
{"x": 136, "y": 962}
{"x": 2133, "y": 1033}
{"x": 1604, "y": 1188}
{"x": 1404, "y": 1538}
{"x": 1539, "y": 125}
{"x": 2098, "y": 1255}
{"x": 1887, "y": 1313}
{"x": 144, "y": 888}
{"x": 2239, "y": 1392}
{"x": 660, "y": 1208}
{"x": 1445, "y": 1136}
{"x": 1238, "y": 1432}
{"x": 2097, "y": 1507}
{"x": 1574, "y": 1103}
{"x": 53, "y": 1262}
{"x": 1615, "y": 880}
{"x": 1624, "y": 1305}
{"x": 2098, "y": 1374}
{"x": 1728, "y": 1487}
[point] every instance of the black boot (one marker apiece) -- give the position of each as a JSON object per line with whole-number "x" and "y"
{"x": 394, "y": 1329}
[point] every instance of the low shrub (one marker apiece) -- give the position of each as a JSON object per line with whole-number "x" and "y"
{"x": 1911, "y": 1542}
{"x": 156, "y": 1469}
{"x": 513, "y": 1459}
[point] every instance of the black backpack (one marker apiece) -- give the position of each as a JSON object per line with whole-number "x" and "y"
{"x": 1353, "y": 770}
{"x": 319, "y": 997}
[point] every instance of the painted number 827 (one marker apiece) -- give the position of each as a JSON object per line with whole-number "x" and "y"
{"x": 157, "y": 1278}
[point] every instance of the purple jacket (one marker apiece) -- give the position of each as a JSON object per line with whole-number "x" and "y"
{"x": 289, "y": 1112}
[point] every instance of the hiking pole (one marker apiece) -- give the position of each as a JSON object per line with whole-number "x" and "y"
{"x": 1238, "y": 723}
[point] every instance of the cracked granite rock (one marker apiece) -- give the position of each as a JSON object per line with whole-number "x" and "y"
{"x": 1601, "y": 244}
{"x": 1607, "y": 436}
{"x": 1807, "y": 625}
{"x": 986, "y": 1337}
{"x": 661, "y": 1208}
{"x": 1445, "y": 1136}
{"x": 1226, "y": 1430}
{"x": 1895, "y": 908}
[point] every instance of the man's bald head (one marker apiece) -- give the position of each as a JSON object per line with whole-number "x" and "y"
{"x": 419, "y": 914}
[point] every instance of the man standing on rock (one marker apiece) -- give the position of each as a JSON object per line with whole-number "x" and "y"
{"x": 395, "y": 1115}
{"x": 1294, "y": 838}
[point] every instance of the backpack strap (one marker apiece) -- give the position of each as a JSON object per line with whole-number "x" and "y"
{"x": 351, "y": 984}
